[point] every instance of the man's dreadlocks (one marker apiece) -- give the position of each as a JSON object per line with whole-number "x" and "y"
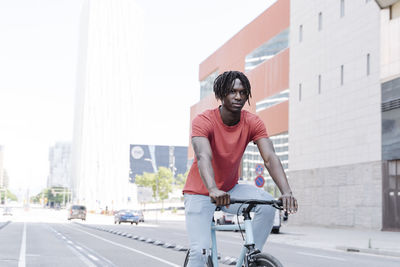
{"x": 224, "y": 83}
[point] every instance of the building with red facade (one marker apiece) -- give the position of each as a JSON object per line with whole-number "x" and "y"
{"x": 261, "y": 50}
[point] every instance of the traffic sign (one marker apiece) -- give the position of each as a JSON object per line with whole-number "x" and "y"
{"x": 259, "y": 181}
{"x": 259, "y": 169}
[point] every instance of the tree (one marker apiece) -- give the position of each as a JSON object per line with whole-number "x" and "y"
{"x": 55, "y": 195}
{"x": 147, "y": 180}
{"x": 180, "y": 180}
{"x": 165, "y": 180}
{"x": 9, "y": 195}
{"x": 160, "y": 182}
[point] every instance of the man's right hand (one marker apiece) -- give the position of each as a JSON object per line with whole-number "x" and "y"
{"x": 221, "y": 198}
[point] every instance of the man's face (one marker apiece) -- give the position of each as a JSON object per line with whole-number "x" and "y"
{"x": 236, "y": 97}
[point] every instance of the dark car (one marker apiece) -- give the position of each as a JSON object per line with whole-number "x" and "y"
{"x": 77, "y": 212}
{"x": 129, "y": 216}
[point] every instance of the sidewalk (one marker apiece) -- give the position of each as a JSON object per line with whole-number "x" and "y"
{"x": 346, "y": 239}
{"x": 332, "y": 238}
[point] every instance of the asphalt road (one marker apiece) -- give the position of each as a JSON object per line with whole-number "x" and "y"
{"x": 46, "y": 238}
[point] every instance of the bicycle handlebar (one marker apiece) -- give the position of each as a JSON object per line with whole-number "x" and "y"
{"x": 254, "y": 202}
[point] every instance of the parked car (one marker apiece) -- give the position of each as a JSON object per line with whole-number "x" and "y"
{"x": 222, "y": 217}
{"x": 130, "y": 216}
{"x": 77, "y": 212}
{"x": 277, "y": 222}
{"x": 7, "y": 211}
{"x": 141, "y": 216}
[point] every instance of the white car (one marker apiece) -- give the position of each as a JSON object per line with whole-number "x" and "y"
{"x": 222, "y": 217}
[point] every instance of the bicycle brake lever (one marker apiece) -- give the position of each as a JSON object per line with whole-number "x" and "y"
{"x": 276, "y": 206}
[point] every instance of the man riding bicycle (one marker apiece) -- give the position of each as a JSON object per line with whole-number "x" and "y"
{"x": 220, "y": 137}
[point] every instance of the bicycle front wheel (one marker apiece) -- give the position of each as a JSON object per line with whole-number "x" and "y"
{"x": 265, "y": 260}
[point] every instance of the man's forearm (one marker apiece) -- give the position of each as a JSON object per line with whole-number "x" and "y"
{"x": 275, "y": 169}
{"x": 207, "y": 174}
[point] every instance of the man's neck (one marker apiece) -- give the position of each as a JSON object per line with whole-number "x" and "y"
{"x": 229, "y": 118}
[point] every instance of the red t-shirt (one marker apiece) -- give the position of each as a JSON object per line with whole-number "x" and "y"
{"x": 228, "y": 144}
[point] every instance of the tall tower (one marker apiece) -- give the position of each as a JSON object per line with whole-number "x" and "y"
{"x": 108, "y": 76}
{"x": 60, "y": 164}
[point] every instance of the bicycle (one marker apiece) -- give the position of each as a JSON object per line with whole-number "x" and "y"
{"x": 249, "y": 256}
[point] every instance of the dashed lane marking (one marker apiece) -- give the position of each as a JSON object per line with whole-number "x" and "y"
{"x": 22, "y": 252}
{"x": 128, "y": 248}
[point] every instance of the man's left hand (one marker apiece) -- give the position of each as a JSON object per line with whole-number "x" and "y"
{"x": 289, "y": 203}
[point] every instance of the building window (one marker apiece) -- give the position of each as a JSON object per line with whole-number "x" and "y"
{"x": 319, "y": 84}
{"x": 368, "y": 64}
{"x": 394, "y": 11}
{"x": 341, "y": 74}
{"x": 272, "y": 100}
{"x": 320, "y": 21}
{"x": 267, "y": 50}
{"x": 341, "y": 8}
{"x": 299, "y": 91}
{"x": 252, "y": 158}
{"x": 301, "y": 33}
{"x": 206, "y": 85}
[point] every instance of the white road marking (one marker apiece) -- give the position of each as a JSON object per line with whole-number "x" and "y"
{"x": 22, "y": 251}
{"x": 93, "y": 257}
{"x": 321, "y": 256}
{"x": 81, "y": 257}
{"x": 128, "y": 248}
{"x": 74, "y": 250}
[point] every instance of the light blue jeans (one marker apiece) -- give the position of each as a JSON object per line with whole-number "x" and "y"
{"x": 199, "y": 212}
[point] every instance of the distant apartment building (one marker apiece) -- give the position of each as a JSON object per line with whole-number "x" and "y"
{"x": 1, "y": 166}
{"x": 148, "y": 158}
{"x": 261, "y": 51}
{"x": 59, "y": 165}
{"x": 344, "y": 112}
{"x": 108, "y": 76}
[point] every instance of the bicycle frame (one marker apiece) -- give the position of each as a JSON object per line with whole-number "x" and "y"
{"x": 249, "y": 240}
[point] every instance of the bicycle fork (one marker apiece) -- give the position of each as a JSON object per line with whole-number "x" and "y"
{"x": 248, "y": 245}
{"x": 248, "y": 248}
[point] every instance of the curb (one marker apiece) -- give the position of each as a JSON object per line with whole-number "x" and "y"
{"x": 375, "y": 251}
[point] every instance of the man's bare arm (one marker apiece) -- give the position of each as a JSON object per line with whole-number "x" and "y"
{"x": 275, "y": 169}
{"x": 203, "y": 153}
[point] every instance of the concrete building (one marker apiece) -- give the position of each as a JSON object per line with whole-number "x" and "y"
{"x": 108, "y": 77}
{"x": 340, "y": 53}
{"x": 390, "y": 86}
{"x": 2, "y": 174}
{"x": 261, "y": 51}
{"x": 1, "y": 166}
{"x": 59, "y": 165}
